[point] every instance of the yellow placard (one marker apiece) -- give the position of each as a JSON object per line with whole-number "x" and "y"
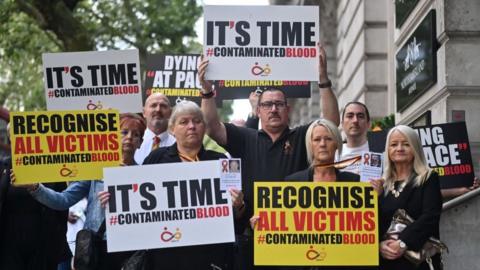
{"x": 315, "y": 224}
{"x": 57, "y": 146}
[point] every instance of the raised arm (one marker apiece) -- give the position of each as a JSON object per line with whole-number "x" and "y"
{"x": 327, "y": 97}
{"x": 215, "y": 128}
{"x": 61, "y": 200}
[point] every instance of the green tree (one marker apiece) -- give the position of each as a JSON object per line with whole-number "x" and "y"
{"x": 383, "y": 124}
{"x": 29, "y": 28}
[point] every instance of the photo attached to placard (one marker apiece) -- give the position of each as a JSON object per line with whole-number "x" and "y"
{"x": 231, "y": 174}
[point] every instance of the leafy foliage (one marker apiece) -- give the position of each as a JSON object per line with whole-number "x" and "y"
{"x": 384, "y": 124}
{"x": 31, "y": 27}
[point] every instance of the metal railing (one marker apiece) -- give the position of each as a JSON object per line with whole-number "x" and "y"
{"x": 461, "y": 199}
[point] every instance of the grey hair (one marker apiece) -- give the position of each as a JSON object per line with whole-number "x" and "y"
{"x": 185, "y": 107}
{"x": 420, "y": 167}
{"x": 331, "y": 127}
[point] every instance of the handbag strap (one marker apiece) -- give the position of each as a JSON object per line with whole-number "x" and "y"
{"x": 101, "y": 230}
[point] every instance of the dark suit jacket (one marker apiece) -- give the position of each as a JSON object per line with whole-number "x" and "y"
{"x": 170, "y": 154}
{"x": 424, "y": 204}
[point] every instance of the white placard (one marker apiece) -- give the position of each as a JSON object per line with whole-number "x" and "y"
{"x": 261, "y": 42}
{"x": 93, "y": 80}
{"x": 371, "y": 166}
{"x": 231, "y": 174}
{"x": 167, "y": 205}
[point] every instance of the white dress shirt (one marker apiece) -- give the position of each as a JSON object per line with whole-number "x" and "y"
{"x": 166, "y": 139}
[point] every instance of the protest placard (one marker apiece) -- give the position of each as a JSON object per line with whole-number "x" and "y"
{"x": 371, "y": 166}
{"x": 447, "y": 151}
{"x": 236, "y": 89}
{"x": 167, "y": 205}
{"x": 231, "y": 174}
{"x": 315, "y": 224}
{"x": 93, "y": 80}
{"x": 64, "y": 145}
{"x": 261, "y": 42}
{"x": 175, "y": 76}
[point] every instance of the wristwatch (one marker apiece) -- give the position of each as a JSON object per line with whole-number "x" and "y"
{"x": 326, "y": 84}
{"x": 402, "y": 244}
{"x": 207, "y": 95}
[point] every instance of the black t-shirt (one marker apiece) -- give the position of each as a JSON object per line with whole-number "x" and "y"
{"x": 264, "y": 160}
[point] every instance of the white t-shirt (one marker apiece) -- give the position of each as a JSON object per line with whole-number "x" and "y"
{"x": 350, "y": 152}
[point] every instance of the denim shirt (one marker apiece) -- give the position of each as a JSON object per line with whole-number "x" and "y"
{"x": 71, "y": 195}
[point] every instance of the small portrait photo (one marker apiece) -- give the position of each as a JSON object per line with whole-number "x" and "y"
{"x": 225, "y": 166}
{"x": 234, "y": 165}
{"x": 376, "y": 160}
{"x": 366, "y": 159}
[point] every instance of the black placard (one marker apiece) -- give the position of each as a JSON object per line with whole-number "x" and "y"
{"x": 446, "y": 148}
{"x": 241, "y": 89}
{"x": 174, "y": 76}
{"x": 416, "y": 63}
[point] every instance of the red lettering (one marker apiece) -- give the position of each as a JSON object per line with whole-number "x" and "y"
{"x": 81, "y": 142}
{"x": 354, "y": 220}
{"x": 332, "y": 215}
{"x": 262, "y": 224}
{"x": 113, "y": 141}
{"x": 319, "y": 221}
{"x": 226, "y": 211}
{"x": 369, "y": 218}
{"x": 70, "y": 143}
{"x": 19, "y": 146}
{"x": 100, "y": 142}
{"x": 28, "y": 145}
{"x": 299, "y": 221}
{"x": 199, "y": 213}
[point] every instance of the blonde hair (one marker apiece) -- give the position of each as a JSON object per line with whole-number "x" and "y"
{"x": 332, "y": 129}
{"x": 420, "y": 168}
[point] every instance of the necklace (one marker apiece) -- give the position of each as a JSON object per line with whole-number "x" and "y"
{"x": 396, "y": 192}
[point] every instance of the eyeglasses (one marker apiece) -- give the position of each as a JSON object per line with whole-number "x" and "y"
{"x": 269, "y": 105}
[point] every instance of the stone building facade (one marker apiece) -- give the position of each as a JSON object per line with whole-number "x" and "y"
{"x": 362, "y": 42}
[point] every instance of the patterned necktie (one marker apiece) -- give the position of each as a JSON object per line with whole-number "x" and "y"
{"x": 156, "y": 143}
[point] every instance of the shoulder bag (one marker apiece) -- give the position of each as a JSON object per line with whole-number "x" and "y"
{"x": 431, "y": 247}
{"x": 88, "y": 248}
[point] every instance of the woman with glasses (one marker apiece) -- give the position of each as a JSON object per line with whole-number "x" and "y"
{"x": 132, "y": 127}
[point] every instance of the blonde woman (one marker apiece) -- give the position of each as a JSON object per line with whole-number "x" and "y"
{"x": 322, "y": 140}
{"x": 410, "y": 185}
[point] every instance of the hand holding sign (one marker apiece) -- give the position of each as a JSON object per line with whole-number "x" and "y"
{"x": 237, "y": 199}
{"x": 28, "y": 187}
{"x": 322, "y": 64}
{"x": 202, "y": 69}
{"x": 377, "y": 184}
{"x": 103, "y": 197}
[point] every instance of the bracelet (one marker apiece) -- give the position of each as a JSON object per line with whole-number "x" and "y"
{"x": 207, "y": 95}
{"x": 326, "y": 84}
